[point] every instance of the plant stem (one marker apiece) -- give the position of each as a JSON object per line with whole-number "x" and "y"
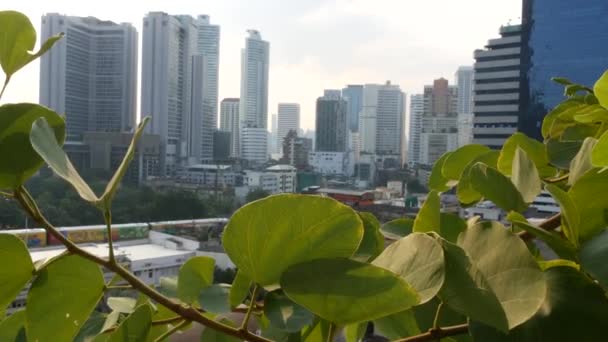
{"x": 171, "y": 331}
{"x": 331, "y": 333}
{"x": 119, "y": 287}
{"x": 6, "y": 194}
{"x": 558, "y": 179}
{"x": 437, "y": 314}
{"x": 168, "y": 320}
{"x": 8, "y": 78}
{"x": 254, "y": 295}
{"x": 549, "y": 224}
{"x": 107, "y": 216}
{"x": 436, "y": 334}
{"x": 187, "y": 312}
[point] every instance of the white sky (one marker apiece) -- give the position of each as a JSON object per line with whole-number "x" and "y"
{"x": 314, "y": 44}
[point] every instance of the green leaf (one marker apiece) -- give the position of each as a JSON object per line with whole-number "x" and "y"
{"x": 582, "y": 161}
{"x": 451, "y": 226}
{"x": 157, "y": 330}
{"x": 514, "y": 277}
{"x": 599, "y": 155}
{"x": 62, "y": 298}
{"x": 17, "y": 39}
{"x": 215, "y": 298}
{"x": 437, "y": 181}
{"x": 112, "y": 186}
{"x": 600, "y": 89}
{"x": 355, "y": 332}
{"x": 373, "y": 242}
{"x": 561, "y": 247}
{"x": 91, "y": 328}
{"x": 16, "y": 270}
{"x": 168, "y": 286}
{"x": 572, "y": 89}
{"x": 425, "y": 317}
{"x": 44, "y": 142}
{"x": 210, "y": 335}
{"x": 554, "y": 122}
{"x": 575, "y": 309}
{"x": 592, "y": 114}
{"x": 593, "y": 256}
{"x": 318, "y": 332}
{"x": 418, "y": 259}
{"x": 239, "y": 289}
{"x": 467, "y": 195}
{"x": 19, "y": 160}
{"x": 399, "y": 325}
{"x": 545, "y": 265}
{"x": 135, "y": 327}
{"x": 561, "y": 80}
{"x": 195, "y": 275}
{"x": 457, "y": 161}
{"x": 525, "y": 176}
{"x": 12, "y": 328}
{"x": 122, "y": 304}
{"x": 496, "y": 187}
{"x": 534, "y": 149}
{"x": 570, "y": 213}
{"x": 345, "y": 291}
{"x": 396, "y": 229}
{"x": 590, "y": 191}
{"x": 284, "y": 314}
{"x": 429, "y": 216}
{"x": 561, "y": 153}
{"x": 267, "y": 236}
{"x": 111, "y": 321}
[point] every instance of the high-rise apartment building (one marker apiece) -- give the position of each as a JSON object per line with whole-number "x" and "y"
{"x": 464, "y": 82}
{"x": 559, "y": 39}
{"x": 331, "y": 125}
{"x": 179, "y": 86}
{"x": 229, "y": 122}
{"x": 288, "y": 119}
{"x": 353, "y": 94}
{"x": 254, "y": 96}
{"x": 90, "y": 75}
{"x": 439, "y": 124}
{"x": 497, "y": 87}
{"x": 415, "y": 129}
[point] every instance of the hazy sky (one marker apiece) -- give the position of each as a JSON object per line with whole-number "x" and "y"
{"x": 314, "y": 44}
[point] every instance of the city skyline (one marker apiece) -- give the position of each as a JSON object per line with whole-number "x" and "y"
{"x": 302, "y": 49}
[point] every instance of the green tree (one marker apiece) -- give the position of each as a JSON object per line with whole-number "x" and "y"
{"x": 256, "y": 194}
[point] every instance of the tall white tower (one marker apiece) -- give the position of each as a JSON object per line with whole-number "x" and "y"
{"x": 288, "y": 119}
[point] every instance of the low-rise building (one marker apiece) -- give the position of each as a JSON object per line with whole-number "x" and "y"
{"x": 332, "y": 163}
{"x": 210, "y": 175}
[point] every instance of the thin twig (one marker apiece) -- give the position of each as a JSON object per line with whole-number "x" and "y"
{"x": 171, "y": 331}
{"x": 8, "y": 78}
{"x": 558, "y": 179}
{"x": 439, "y": 333}
{"x": 437, "y": 315}
{"x": 6, "y": 194}
{"x": 331, "y": 333}
{"x": 119, "y": 287}
{"x": 254, "y": 295}
{"x": 549, "y": 224}
{"x": 187, "y": 312}
{"x": 107, "y": 216}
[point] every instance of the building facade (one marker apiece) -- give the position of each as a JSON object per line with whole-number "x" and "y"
{"x": 353, "y": 94}
{"x": 288, "y": 119}
{"x": 559, "y": 40}
{"x": 497, "y": 88}
{"x": 415, "y": 129}
{"x": 331, "y": 125}
{"x": 464, "y": 81}
{"x": 179, "y": 86}
{"x": 229, "y": 122}
{"x": 90, "y": 74}
{"x": 296, "y": 150}
{"x": 332, "y": 163}
{"x": 254, "y": 97}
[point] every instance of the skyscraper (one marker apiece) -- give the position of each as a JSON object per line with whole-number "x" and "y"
{"x": 439, "y": 121}
{"x": 179, "y": 86}
{"x": 353, "y": 94}
{"x": 254, "y": 96}
{"x": 497, "y": 88}
{"x": 91, "y": 74}
{"x": 288, "y": 119}
{"x": 559, "y": 39}
{"x": 331, "y": 125}
{"x": 464, "y": 82}
{"x": 229, "y": 122}
{"x": 416, "y": 112}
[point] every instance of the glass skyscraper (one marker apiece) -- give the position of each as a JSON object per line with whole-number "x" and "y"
{"x": 560, "y": 38}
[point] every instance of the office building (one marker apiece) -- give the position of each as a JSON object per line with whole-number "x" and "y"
{"x": 221, "y": 145}
{"x": 564, "y": 39}
{"x": 439, "y": 123}
{"x": 90, "y": 74}
{"x": 465, "y": 129}
{"x": 179, "y": 86}
{"x": 332, "y": 163}
{"x": 464, "y": 83}
{"x": 296, "y": 150}
{"x": 497, "y": 87}
{"x": 229, "y": 122}
{"x": 415, "y": 129}
{"x": 331, "y": 124}
{"x": 288, "y": 119}
{"x": 353, "y": 94}
{"x": 274, "y": 143}
{"x": 254, "y": 96}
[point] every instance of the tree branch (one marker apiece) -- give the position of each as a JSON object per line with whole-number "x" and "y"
{"x": 254, "y": 296}
{"x": 437, "y": 334}
{"x": 549, "y": 224}
{"x": 187, "y": 312}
